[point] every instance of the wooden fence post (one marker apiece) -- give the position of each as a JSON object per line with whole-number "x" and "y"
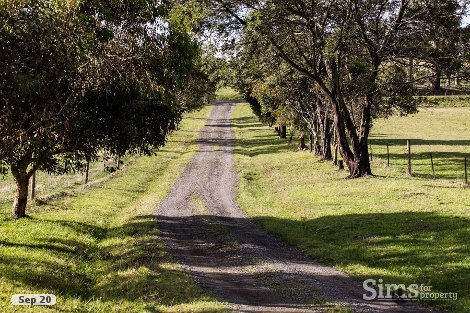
{"x": 87, "y": 171}
{"x": 388, "y": 155}
{"x": 408, "y": 143}
{"x": 33, "y": 186}
{"x": 466, "y": 175}
{"x": 432, "y": 166}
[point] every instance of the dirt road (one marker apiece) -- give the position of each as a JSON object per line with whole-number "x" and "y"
{"x": 230, "y": 256}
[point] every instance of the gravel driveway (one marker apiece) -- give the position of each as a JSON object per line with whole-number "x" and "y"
{"x": 230, "y": 256}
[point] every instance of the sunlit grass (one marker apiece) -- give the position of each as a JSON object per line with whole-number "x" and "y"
{"x": 442, "y": 132}
{"x": 398, "y": 228}
{"x": 98, "y": 250}
{"x": 227, "y": 93}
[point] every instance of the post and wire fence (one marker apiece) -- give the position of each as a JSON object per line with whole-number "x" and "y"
{"x": 419, "y": 161}
{"x": 70, "y": 179}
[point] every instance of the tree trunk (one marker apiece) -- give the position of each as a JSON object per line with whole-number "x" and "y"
{"x": 283, "y": 132}
{"x": 316, "y": 140}
{"x": 310, "y": 141}
{"x": 457, "y": 79}
{"x": 335, "y": 158}
{"x": 302, "y": 146}
{"x": 335, "y": 143}
{"x": 360, "y": 165}
{"x": 436, "y": 84}
{"x": 21, "y": 197}
{"x": 356, "y": 158}
{"x": 326, "y": 139}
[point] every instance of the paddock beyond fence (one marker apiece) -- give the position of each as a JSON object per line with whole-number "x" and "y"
{"x": 418, "y": 158}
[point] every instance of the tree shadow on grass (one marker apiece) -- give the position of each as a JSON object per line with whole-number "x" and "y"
{"x": 408, "y": 247}
{"x": 258, "y": 145}
{"x": 122, "y": 263}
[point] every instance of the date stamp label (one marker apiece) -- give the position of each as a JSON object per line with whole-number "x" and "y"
{"x": 33, "y": 299}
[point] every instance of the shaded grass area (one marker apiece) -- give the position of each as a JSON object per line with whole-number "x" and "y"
{"x": 98, "y": 251}
{"x": 227, "y": 93}
{"x": 398, "y": 228}
{"x": 444, "y": 132}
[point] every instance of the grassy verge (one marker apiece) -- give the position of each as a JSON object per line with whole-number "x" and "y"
{"x": 398, "y": 228}
{"x": 98, "y": 251}
{"x": 227, "y": 93}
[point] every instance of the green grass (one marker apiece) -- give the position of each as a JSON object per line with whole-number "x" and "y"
{"x": 444, "y": 132}
{"x": 58, "y": 186}
{"x": 398, "y": 228}
{"x": 98, "y": 250}
{"x": 227, "y": 93}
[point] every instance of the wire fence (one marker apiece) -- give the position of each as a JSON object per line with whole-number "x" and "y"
{"x": 44, "y": 186}
{"x": 422, "y": 158}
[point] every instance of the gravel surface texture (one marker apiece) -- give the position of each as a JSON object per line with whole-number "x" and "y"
{"x": 231, "y": 257}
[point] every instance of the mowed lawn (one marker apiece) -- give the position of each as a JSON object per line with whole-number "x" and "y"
{"x": 410, "y": 230}
{"x": 96, "y": 247}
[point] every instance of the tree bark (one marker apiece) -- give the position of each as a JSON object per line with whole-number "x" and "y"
{"x": 335, "y": 143}
{"x": 302, "y": 146}
{"x": 457, "y": 79}
{"x": 316, "y": 139}
{"x": 283, "y": 132}
{"x": 326, "y": 138}
{"x": 21, "y": 177}
{"x": 357, "y": 156}
{"x": 360, "y": 165}
{"x": 436, "y": 84}
{"x": 310, "y": 141}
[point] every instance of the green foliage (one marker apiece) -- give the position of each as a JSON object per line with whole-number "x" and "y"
{"x": 98, "y": 248}
{"x": 79, "y": 78}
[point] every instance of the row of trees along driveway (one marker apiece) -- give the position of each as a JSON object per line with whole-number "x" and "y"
{"x": 325, "y": 65}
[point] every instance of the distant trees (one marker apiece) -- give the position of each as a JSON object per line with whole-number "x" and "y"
{"x": 354, "y": 54}
{"x": 82, "y": 78}
{"x": 436, "y": 35}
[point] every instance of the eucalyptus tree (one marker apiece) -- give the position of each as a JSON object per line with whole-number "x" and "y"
{"x": 351, "y": 51}
{"x": 78, "y": 78}
{"x": 436, "y": 35}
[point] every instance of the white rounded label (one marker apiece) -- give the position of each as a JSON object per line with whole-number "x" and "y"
{"x": 33, "y": 299}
